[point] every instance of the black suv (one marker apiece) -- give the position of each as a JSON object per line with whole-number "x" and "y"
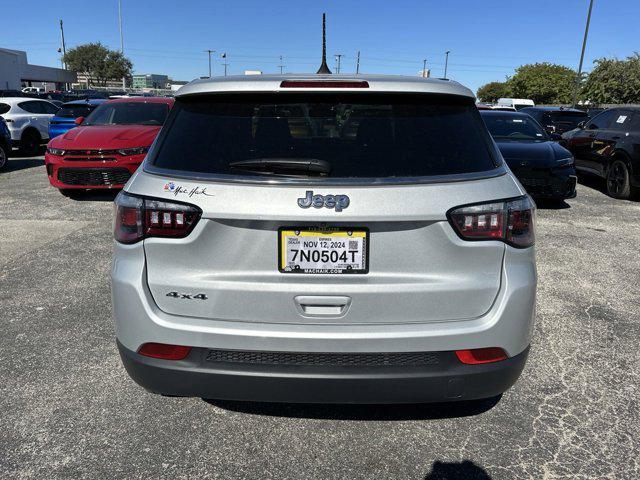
{"x": 608, "y": 145}
{"x": 556, "y": 120}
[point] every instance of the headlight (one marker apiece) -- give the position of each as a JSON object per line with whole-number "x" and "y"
{"x": 56, "y": 151}
{"x": 564, "y": 162}
{"x": 133, "y": 151}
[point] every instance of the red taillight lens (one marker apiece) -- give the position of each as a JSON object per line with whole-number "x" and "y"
{"x": 164, "y": 351}
{"x": 481, "y": 355}
{"x": 137, "y": 218}
{"x": 511, "y": 221}
{"x": 324, "y": 84}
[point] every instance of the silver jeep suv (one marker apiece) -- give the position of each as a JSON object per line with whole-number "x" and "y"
{"x": 323, "y": 238}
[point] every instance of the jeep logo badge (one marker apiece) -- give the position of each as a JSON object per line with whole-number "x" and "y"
{"x": 338, "y": 202}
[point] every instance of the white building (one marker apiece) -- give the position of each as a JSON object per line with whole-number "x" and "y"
{"x": 16, "y": 72}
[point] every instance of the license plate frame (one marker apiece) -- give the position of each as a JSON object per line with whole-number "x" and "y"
{"x": 334, "y": 232}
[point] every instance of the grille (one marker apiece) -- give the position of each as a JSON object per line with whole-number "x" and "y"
{"x": 91, "y": 152}
{"x": 93, "y": 176}
{"x": 323, "y": 359}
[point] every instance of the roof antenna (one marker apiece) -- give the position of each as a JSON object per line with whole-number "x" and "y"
{"x": 324, "y": 68}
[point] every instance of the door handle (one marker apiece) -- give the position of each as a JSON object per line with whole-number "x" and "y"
{"x": 615, "y": 137}
{"x": 322, "y": 305}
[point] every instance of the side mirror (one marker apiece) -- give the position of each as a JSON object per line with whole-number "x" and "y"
{"x": 79, "y": 120}
{"x": 582, "y": 124}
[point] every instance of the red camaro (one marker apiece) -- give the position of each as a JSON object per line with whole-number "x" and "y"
{"x": 108, "y": 146}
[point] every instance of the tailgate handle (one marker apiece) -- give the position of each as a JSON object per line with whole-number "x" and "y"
{"x": 322, "y": 305}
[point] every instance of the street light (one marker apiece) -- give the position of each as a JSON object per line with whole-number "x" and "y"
{"x": 584, "y": 45}
{"x": 446, "y": 62}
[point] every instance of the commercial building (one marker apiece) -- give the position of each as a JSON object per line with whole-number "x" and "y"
{"x": 150, "y": 80}
{"x": 16, "y": 72}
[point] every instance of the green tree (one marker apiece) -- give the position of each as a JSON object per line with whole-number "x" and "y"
{"x": 98, "y": 62}
{"x": 543, "y": 83}
{"x": 492, "y": 91}
{"x": 614, "y": 81}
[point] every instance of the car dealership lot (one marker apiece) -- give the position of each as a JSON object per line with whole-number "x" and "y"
{"x": 69, "y": 409}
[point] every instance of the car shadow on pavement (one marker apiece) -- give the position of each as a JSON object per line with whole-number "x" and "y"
{"x": 395, "y": 412}
{"x": 465, "y": 469}
{"x": 15, "y": 164}
{"x": 546, "y": 204}
{"x": 94, "y": 195}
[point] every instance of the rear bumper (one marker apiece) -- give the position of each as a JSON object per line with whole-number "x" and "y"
{"x": 443, "y": 379}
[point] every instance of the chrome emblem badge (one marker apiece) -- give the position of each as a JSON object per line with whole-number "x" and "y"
{"x": 337, "y": 202}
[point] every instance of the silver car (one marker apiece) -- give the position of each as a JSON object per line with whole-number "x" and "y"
{"x": 323, "y": 238}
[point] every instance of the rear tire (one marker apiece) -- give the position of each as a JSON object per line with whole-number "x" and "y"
{"x": 618, "y": 180}
{"x": 30, "y": 143}
{"x": 4, "y": 157}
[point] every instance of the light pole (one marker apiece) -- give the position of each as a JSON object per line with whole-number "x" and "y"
{"x": 281, "y": 65}
{"x": 584, "y": 45}
{"x": 424, "y": 68}
{"x": 446, "y": 62}
{"x": 338, "y": 57}
{"x": 224, "y": 57}
{"x": 209, "y": 52}
{"x": 124, "y": 80}
{"x": 358, "y": 63}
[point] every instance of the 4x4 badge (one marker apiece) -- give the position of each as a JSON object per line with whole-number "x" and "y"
{"x": 338, "y": 202}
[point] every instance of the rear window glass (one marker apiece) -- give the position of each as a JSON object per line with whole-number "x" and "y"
{"x": 571, "y": 118}
{"x": 74, "y": 111}
{"x": 357, "y": 135}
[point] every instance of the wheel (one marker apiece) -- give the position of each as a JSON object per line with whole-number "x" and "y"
{"x": 4, "y": 156}
{"x": 618, "y": 182}
{"x": 30, "y": 143}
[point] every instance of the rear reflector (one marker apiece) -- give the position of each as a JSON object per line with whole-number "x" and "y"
{"x": 323, "y": 84}
{"x": 481, "y": 355}
{"x": 164, "y": 351}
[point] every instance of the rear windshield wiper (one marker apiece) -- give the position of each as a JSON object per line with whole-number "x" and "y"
{"x": 308, "y": 166}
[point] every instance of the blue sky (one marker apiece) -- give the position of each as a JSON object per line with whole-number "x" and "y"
{"x": 488, "y": 39}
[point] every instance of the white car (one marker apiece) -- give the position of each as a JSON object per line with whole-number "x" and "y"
{"x": 28, "y": 121}
{"x": 33, "y": 90}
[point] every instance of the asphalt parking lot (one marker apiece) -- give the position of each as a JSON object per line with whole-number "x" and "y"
{"x": 68, "y": 409}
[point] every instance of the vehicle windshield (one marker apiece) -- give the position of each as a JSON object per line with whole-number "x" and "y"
{"x": 74, "y": 111}
{"x": 338, "y": 136}
{"x": 514, "y": 127}
{"x": 128, "y": 113}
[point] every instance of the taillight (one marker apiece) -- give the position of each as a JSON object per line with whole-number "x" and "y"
{"x": 510, "y": 221}
{"x": 137, "y": 218}
{"x": 164, "y": 351}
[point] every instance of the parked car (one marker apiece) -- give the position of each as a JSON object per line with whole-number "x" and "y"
{"x": 557, "y": 119}
{"x": 5, "y": 143}
{"x": 28, "y": 121}
{"x": 33, "y": 90}
{"x": 106, "y": 147}
{"x": 544, "y": 168}
{"x": 263, "y": 254}
{"x": 504, "y": 108}
{"x": 65, "y": 118}
{"x": 516, "y": 103}
{"x": 608, "y": 145}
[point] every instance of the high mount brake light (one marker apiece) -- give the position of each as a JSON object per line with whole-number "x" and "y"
{"x": 137, "y": 218}
{"x": 510, "y": 221}
{"x": 324, "y": 84}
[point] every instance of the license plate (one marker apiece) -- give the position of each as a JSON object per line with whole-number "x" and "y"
{"x": 332, "y": 250}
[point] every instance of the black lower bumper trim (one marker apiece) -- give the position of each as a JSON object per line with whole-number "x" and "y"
{"x": 446, "y": 380}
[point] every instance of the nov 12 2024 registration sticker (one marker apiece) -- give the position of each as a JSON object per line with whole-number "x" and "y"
{"x": 315, "y": 251}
